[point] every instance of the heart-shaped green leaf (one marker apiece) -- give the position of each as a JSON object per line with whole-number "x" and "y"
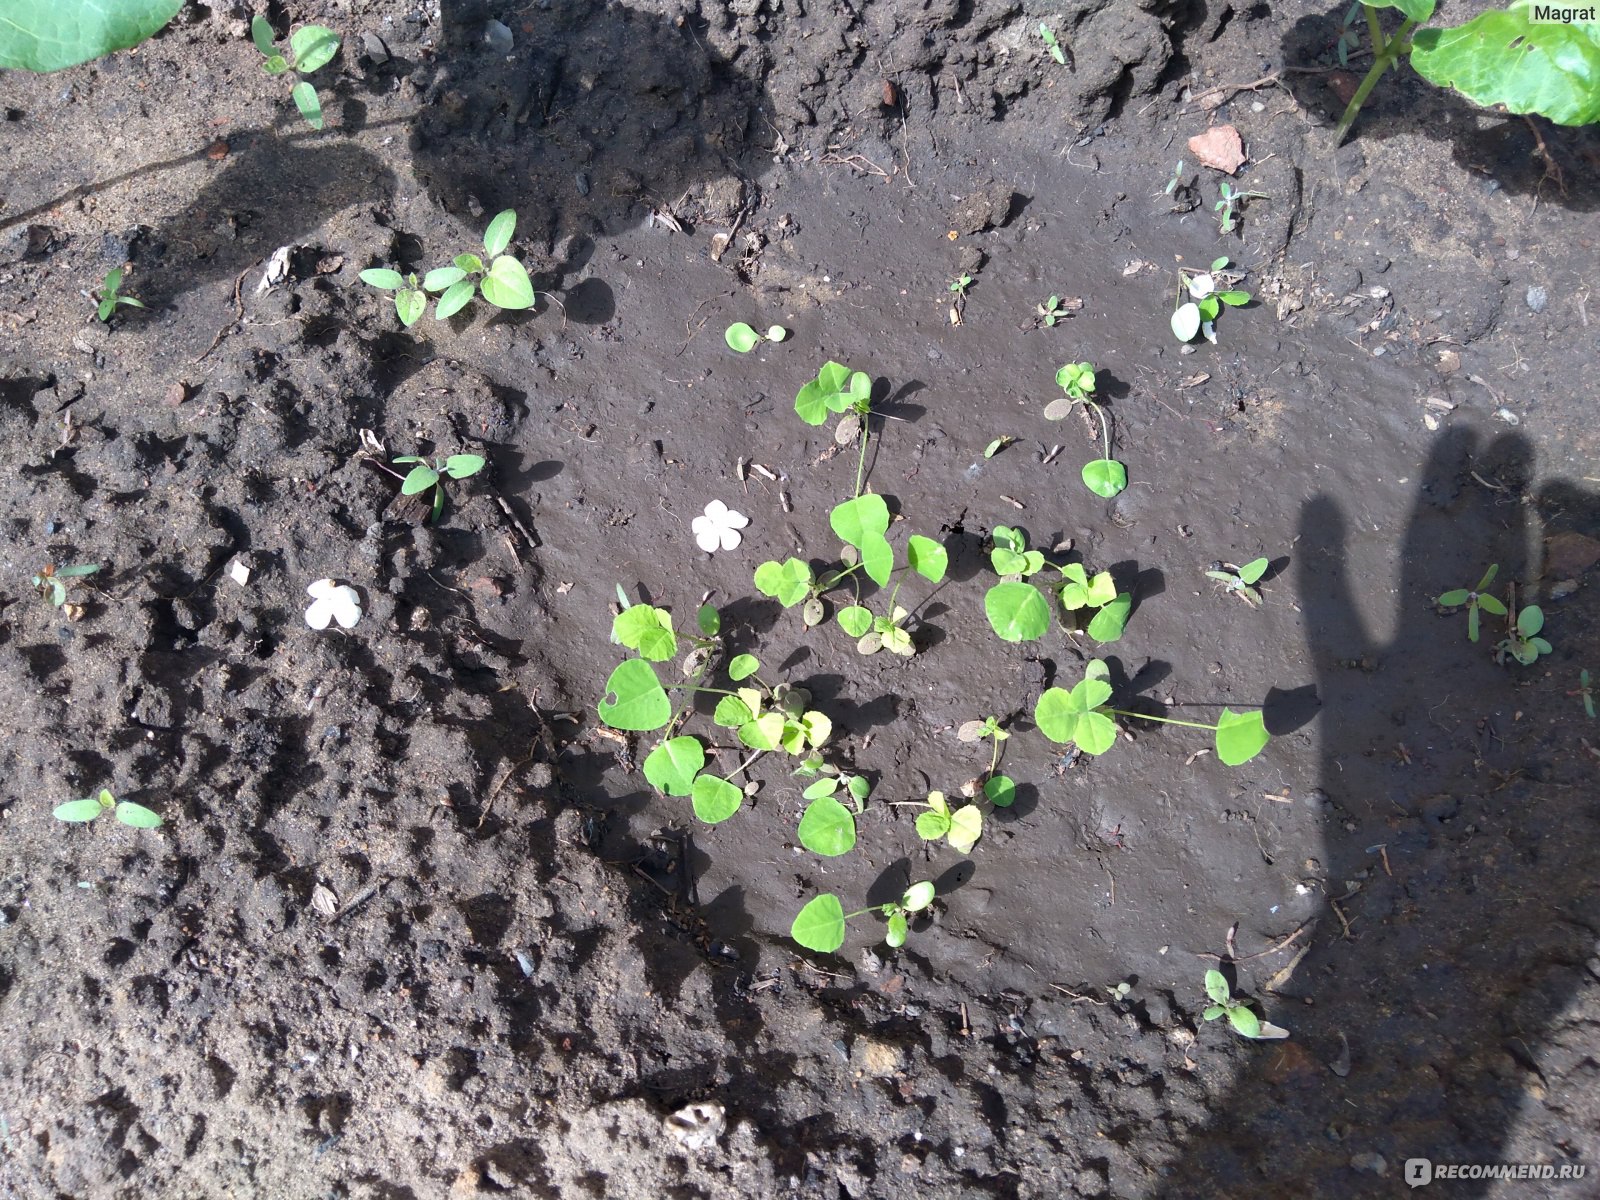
{"x": 1240, "y": 736}
{"x": 1503, "y": 57}
{"x": 927, "y": 557}
{"x": 1017, "y": 611}
{"x": 672, "y": 766}
{"x": 47, "y": 35}
{"x": 507, "y": 284}
{"x": 787, "y": 582}
{"x": 741, "y": 337}
{"x": 820, "y": 924}
{"x": 1002, "y": 792}
{"x": 859, "y": 521}
{"x": 715, "y": 799}
{"x": 763, "y": 733}
{"x": 855, "y": 620}
{"x": 313, "y": 46}
{"x": 743, "y": 666}
{"x": 732, "y": 712}
{"x": 877, "y": 559}
{"x": 827, "y": 828}
{"x": 966, "y": 827}
{"x": 931, "y": 826}
{"x": 1105, "y": 477}
{"x": 409, "y": 305}
{"x": 646, "y": 629}
{"x": 634, "y": 698}
{"x": 1111, "y": 620}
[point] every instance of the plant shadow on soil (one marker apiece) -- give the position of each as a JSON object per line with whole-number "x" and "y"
{"x": 1497, "y": 147}
{"x": 1461, "y": 953}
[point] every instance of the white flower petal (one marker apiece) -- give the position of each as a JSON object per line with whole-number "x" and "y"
{"x": 731, "y": 539}
{"x": 735, "y": 520}
{"x": 347, "y": 608}
{"x": 319, "y": 614}
{"x": 708, "y": 539}
{"x": 322, "y": 589}
{"x": 717, "y": 511}
{"x": 1201, "y": 286}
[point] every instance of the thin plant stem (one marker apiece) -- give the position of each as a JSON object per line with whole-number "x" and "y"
{"x": 994, "y": 759}
{"x": 1375, "y": 30}
{"x": 861, "y": 465}
{"x": 1122, "y": 712}
{"x": 1388, "y": 57}
{"x": 1105, "y": 428}
{"x": 728, "y": 778}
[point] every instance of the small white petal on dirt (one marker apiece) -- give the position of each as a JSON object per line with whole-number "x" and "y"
{"x": 719, "y": 528}
{"x": 333, "y": 601}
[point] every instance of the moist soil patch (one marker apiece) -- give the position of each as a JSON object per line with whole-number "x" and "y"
{"x": 416, "y": 924}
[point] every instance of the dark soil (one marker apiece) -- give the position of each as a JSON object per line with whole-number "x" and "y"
{"x": 416, "y": 925}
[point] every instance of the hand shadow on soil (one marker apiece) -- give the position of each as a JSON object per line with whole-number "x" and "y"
{"x": 1461, "y": 960}
{"x": 1483, "y": 143}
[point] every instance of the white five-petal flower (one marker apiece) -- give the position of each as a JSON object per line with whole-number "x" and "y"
{"x": 719, "y": 528}
{"x": 332, "y": 601}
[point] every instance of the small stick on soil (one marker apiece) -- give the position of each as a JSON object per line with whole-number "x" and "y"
{"x": 831, "y": 159}
{"x": 1076, "y": 997}
{"x": 1343, "y": 920}
{"x": 238, "y": 315}
{"x": 1273, "y": 949}
{"x": 966, "y": 1029}
{"x": 1277, "y": 982}
{"x": 516, "y": 522}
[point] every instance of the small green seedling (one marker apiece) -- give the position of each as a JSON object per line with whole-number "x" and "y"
{"x": 833, "y": 779}
{"x": 744, "y": 339}
{"x": 820, "y": 924}
{"x": 1475, "y": 598}
{"x": 1052, "y": 44}
{"x": 962, "y": 827}
{"x": 310, "y": 48}
{"x": 1104, "y": 476}
{"x": 1522, "y": 642}
{"x": 1175, "y": 181}
{"x": 1082, "y": 717}
{"x": 1240, "y": 581}
{"x": 503, "y": 281}
{"x": 1245, "y": 1022}
{"x": 1349, "y": 36}
{"x": 425, "y": 474}
{"x": 874, "y": 632}
{"x": 1053, "y": 310}
{"x": 1585, "y": 691}
{"x": 960, "y": 285}
{"x": 109, "y": 297}
{"x": 87, "y": 809}
{"x": 792, "y": 582}
{"x": 1207, "y": 291}
{"x": 1017, "y": 610}
{"x": 999, "y": 444}
{"x": 1083, "y": 594}
{"x": 1001, "y": 791}
{"x": 410, "y": 301}
{"x": 52, "y": 581}
{"x": 1231, "y": 205}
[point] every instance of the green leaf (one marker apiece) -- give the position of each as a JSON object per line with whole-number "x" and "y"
{"x": 715, "y": 799}
{"x": 498, "y": 235}
{"x": 380, "y": 277}
{"x": 741, "y": 337}
{"x": 1111, "y": 620}
{"x": 1530, "y": 620}
{"x": 1008, "y": 538}
{"x": 313, "y": 46}
{"x": 827, "y": 828}
{"x": 1017, "y": 611}
{"x": 1186, "y": 321}
{"x": 931, "y": 826}
{"x": 709, "y": 620}
{"x": 455, "y": 298}
{"x": 471, "y": 264}
{"x": 646, "y": 629}
{"x": 835, "y": 389}
{"x": 77, "y": 570}
{"x": 732, "y": 712}
{"x": 1454, "y": 598}
{"x": 763, "y": 733}
{"x": 261, "y": 35}
{"x": 277, "y": 64}
{"x": 877, "y": 559}
{"x": 823, "y": 787}
{"x": 1212, "y": 1012}
{"x": 788, "y": 582}
{"x": 419, "y": 479}
{"x": 994, "y": 447}
{"x": 1096, "y": 734}
{"x": 1244, "y": 1022}
{"x": 75, "y": 811}
{"x": 1240, "y": 736}
{"x": 966, "y": 827}
{"x": 820, "y": 924}
{"x": 440, "y": 278}
{"x": 1217, "y": 987}
{"x": 47, "y": 35}
{"x": 507, "y": 284}
{"x": 1488, "y": 603}
{"x": 137, "y": 815}
{"x": 898, "y": 641}
{"x": 895, "y": 935}
{"x": 927, "y": 557}
{"x": 1502, "y": 57}
{"x": 1002, "y": 792}
{"x": 859, "y": 521}
{"x": 1253, "y": 570}
{"x": 409, "y": 305}
{"x": 743, "y": 666}
{"x": 859, "y": 787}
{"x": 463, "y": 466}
{"x": 1105, "y": 476}
{"x": 917, "y": 897}
{"x": 855, "y": 620}
{"x": 1233, "y": 298}
{"x": 305, "y": 99}
{"x": 672, "y": 766}
{"x": 634, "y": 698}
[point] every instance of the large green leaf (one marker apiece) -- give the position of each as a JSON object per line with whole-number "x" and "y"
{"x": 1017, "y": 611}
{"x": 47, "y": 35}
{"x": 877, "y": 559}
{"x": 820, "y": 924}
{"x": 646, "y": 629}
{"x": 1502, "y": 57}
{"x": 635, "y": 699}
{"x": 858, "y": 520}
{"x": 1111, "y": 620}
{"x": 507, "y": 284}
{"x": 827, "y": 828}
{"x": 927, "y": 557}
{"x": 1240, "y": 736}
{"x": 672, "y": 766}
{"x": 715, "y": 799}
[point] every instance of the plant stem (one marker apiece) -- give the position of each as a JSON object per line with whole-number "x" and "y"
{"x": 994, "y": 759}
{"x": 1122, "y": 712}
{"x": 1105, "y": 429}
{"x": 861, "y": 465}
{"x": 1389, "y": 56}
{"x": 690, "y": 687}
{"x": 728, "y": 778}
{"x": 1375, "y": 30}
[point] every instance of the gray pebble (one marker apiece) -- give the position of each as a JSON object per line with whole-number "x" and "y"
{"x": 1537, "y": 299}
{"x": 498, "y": 37}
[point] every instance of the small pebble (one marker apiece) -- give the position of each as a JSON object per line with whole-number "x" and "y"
{"x": 1537, "y": 299}
{"x": 498, "y": 37}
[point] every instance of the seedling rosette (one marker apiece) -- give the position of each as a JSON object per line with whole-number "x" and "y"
{"x": 820, "y": 924}
{"x": 79, "y": 812}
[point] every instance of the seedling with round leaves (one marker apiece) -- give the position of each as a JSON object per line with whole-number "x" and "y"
{"x": 1240, "y": 581}
{"x": 961, "y": 827}
{"x": 838, "y": 389}
{"x": 831, "y": 780}
{"x": 1082, "y": 717}
{"x": 743, "y": 338}
{"x": 52, "y": 582}
{"x": 1053, "y": 310}
{"x": 90, "y": 807}
{"x": 410, "y": 301}
{"x": 1083, "y": 594}
{"x": 1522, "y": 641}
{"x": 820, "y": 924}
{"x": 1585, "y": 692}
{"x": 1000, "y": 790}
{"x": 110, "y": 296}
{"x": 503, "y": 280}
{"x": 1017, "y": 610}
{"x": 1104, "y": 476}
{"x": 1475, "y": 598}
{"x": 1207, "y": 292}
{"x": 311, "y": 47}
{"x": 1244, "y": 1021}
{"x": 425, "y": 474}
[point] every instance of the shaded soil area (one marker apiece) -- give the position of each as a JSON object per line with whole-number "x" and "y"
{"x": 416, "y": 924}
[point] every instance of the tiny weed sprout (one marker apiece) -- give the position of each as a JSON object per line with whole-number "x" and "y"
{"x": 820, "y": 924}
{"x": 1231, "y": 205}
{"x": 960, "y": 285}
{"x": 410, "y": 301}
{"x": 310, "y": 48}
{"x": 1052, "y": 44}
{"x": 743, "y": 338}
{"x": 1240, "y": 581}
{"x": 961, "y": 828}
{"x": 1245, "y": 1022}
{"x": 503, "y": 280}
{"x": 1207, "y": 293}
{"x": 1475, "y": 598}
{"x": 425, "y": 474}
{"x": 1001, "y": 791}
{"x": 1052, "y": 310}
{"x": 52, "y": 581}
{"x": 958, "y": 302}
{"x": 1522, "y": 642}
{"x": 838, "y": 389}
{"x": 1097, "y": 598}
{"x": 1585, "y": 691}
{"x": 78, "y": 812}
{"x": 1349, "y": 36}
{"x": 832, "y": 779}
{"x": 999, "y": 444}
{"x": 110, "y": 298}
{"x": 1104, "y": 476}
{"x": 1177, "y": 178}
{"x": 1082, "y": 717}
